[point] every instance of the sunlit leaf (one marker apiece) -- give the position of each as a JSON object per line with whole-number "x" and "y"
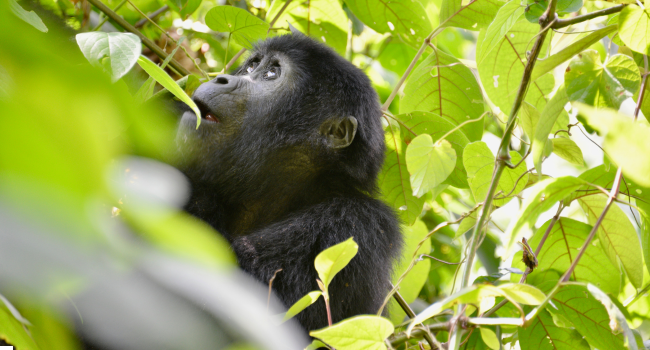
{"x": 28, "y": 16}
{"x": 120, "y": 49}
{"x": 479, "y": 163}
{"x": 245, "y": 28}
{"x": 634, "y": 23}
{"x": 333, "y": 259}
{"x": 357, "y": 333}
{"x": 429, "y": 164}
{"x": 475, "y": 15}
{"x": 548, "y": 117}
{"x": 405, "y": 18}
{"x": 543, "y": 334}
{"x": 444, "y": 86}
{"x": 617, "y": 236}
{"x": 490, "y": 338}
{"x": 13, "y": 331}
{"x": 522, "y": 293}
{"x": 302, "y": 304}
{"x": 627, "y": 143}
{"x": 601, "y": 85}
{"x": 568, "y": 150}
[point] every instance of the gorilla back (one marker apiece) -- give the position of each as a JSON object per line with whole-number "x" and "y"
{"x": 285, "y": 165}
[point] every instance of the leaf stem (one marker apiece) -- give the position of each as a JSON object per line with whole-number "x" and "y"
{"x": 561, "y": 23}
{"x": 146, "y": 41}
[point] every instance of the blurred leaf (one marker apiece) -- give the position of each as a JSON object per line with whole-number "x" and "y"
{"x": 475, "y": 15}
{"x": 50, "y": 330}
{"x": 536, "y": 9}
{"x": 419, "y": 123}
{"x": 582, "y": 42}
{"x": 568, "y": 150}
{"x": 617, "y": 236}
{"x": 245, "y": 28}
{"x": 120, "y": 49}
{"x": 490, "y": 338}
{"x": 168, "y": 83}
{"x": 394, "y": 180}
{"x": 479, "y": 163}
{"x": 315, "y": 345}
{"x": 302, "y": 304}
{"x": 405, "y": 18}
{"x": 184, "y": 7}
{"x": 12, "y": 331}
{"x": 28, "y": 16}
{"x": 626, "y": 142}
{"x": 543, "y": 334}
{"x": 429, "y": 164}
{"x": 468, "y": 223}
{"x": 333, "y": 259}
{"x": 542, "y": 197}
{"x": 397, "y": 56}
{"x": 601, "y": 85}
{"x": 442, "y": 85}
{"x": 357, "y": 333}
{"x": 635, "y": 26}
{"x": 549, "y": 115}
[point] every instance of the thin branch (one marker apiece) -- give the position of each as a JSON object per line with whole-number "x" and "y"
{"x": 146, "y": 41}
{"x": 644, "y": 81}
{"x": 99, "y": 26}
{"x": 409, "y": 312}
{"x": 561, "y": 23}
{"x": 154, "y": 14}
{"x": 419, "y": 333}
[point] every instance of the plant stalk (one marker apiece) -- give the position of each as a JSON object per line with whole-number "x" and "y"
{"x": 409, "y": 312}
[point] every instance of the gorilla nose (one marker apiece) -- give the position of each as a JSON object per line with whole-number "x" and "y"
{"x": 223, "y": 79}
{"x": 223, "y": 84}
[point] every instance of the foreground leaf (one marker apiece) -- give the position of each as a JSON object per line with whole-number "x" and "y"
{"x": 634, "y": 31}
{"x": 245, "y": 28}
{"x": 357, "y": 333}
{"x": 333, "y": 259}
{"x": 568, "y": 150}
{"x": 302, "y": 304}
{"x": 120, "y": 49}
{"x": 429, "y": 164}
{"x": 28, "y": 16}
{"x": 12, "y": 331}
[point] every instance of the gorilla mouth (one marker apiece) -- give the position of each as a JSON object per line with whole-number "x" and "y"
{"x": 206, "y": 113}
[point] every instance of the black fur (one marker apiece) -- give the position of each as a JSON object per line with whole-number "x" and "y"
{"x": 269, "y": 181}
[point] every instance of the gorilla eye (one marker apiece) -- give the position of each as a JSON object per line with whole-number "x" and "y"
{"x": 251, "y": 67}
{"x": 272, "y": 73}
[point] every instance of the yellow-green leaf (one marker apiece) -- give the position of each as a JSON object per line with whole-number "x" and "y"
{"x": 333, "y": 259}
{"x": 357, "y": 333}
{"x": 302, "y": 304}
{"x": 429, "y": 164}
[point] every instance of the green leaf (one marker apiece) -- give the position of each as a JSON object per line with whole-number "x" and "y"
{"x": 490, "y": 338}
{"x": 413, "y": 282}
{"x": 583, "y": 41}
{"x": 543, "y": 334}
{"x": 357, "y": 333}
{"x": 475, "y": 15}
{"x": 184, "y": 7}
{"x": 407, "y": 19}
{"x": 468, "y": 223}
{"x": 550, "y": 114}
{"x": 442, "y": 85}
{"x": 429, "y": 164}
{"x": 588, "y": 315}
{"x": 28, "y": 16}
{"x": 559, "y": 251}
{"x": 601, "y": 85}
{"x": 634, "y": 31}
{"x": 506, "y": 18}
{"x": 479, "y": 163}
{"x": 323, "y": 20}
{"x": 120, "y": 49}
{"x": 245, "y": 28}
{"x": 617, "y": 236}
{"x": 536, "y": 9}
{"x": 418, "y": 123}
{"x": 12, "y": 331}
{"x": 333, "y": 259}
{"x": 568, "y": 150}
{"x": 627, "y": 143}
{"x": 302, "y": 304}
{"x": 168, "y": 83}
{"x": 542, "y": 197}
{"x": 522, "y": 293}
{"x": 394, "y": 178}
{"x": 617, "y": 320}
{"x": 315, "y": 345}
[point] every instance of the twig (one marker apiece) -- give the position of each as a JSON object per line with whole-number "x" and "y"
{"x": 409, "y": 312}
{"x": 99, "y": 26}
{"x": 143, "y": 21}
{"x": 148, "y": 43}
{"x": 561, "y": 23}
{"x": 418, "y": 333}
{"x": 439, "y": 260}
{"x": 268, "y": 300}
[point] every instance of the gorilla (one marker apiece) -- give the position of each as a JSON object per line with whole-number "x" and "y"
{"x": 285, "y": 165}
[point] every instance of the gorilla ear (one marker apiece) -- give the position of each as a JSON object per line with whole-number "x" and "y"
{"x": 339, "y": 132}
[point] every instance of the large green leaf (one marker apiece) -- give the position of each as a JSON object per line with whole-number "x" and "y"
{"x": 542, "y": 197}
{"x": 475, "y": 15}
{"x": 121, "y": 50}
{"x": 332, "y": 260}
{"x": 357, "y": 333}
{"x": 568, "y": 150}
{"x": 548, "y": 117}
{"x": 28, "y": 16}
{"x": 405, "y": 18}
{"x": 245, "y": 28}
{"x": 559, "y": 251}
{"x": 442, "y": 85}
{"x": 394, "y": 178}
{"x": 601, "y": 85}
{"x": 627, "y": 143}
{"x": 479, "y": 163}
{"x": 634, "y": 23}
{"x": 617, "y": 236}
{"x": 429, "y": 164}
{"x": 323, "y": 20}
{"x": 588, "y": 315}
{"x": 543, "y": 334}
{"x": 419, "y": 123}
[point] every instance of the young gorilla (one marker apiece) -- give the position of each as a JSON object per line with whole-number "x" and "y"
{"x": 285, "y": 165}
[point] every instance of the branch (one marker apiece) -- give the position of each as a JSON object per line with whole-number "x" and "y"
{"x": 143, "y": 21}
{"x": 409, "y": 312}
{"x": 148, "y": 43}
{"x": 418, "y": 333}
{"x": 561, "y": 23}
